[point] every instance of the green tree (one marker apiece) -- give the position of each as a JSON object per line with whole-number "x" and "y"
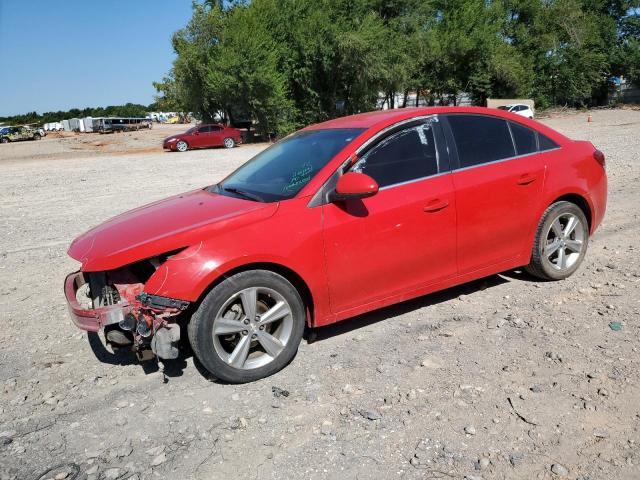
{"x": 286, "y": 63}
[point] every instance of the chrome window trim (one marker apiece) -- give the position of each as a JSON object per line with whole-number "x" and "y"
{"x": 317, "y": 199}
{"x": 319, "y": 202}
{"x": 400, "y": 184}
{"x": 393, "y": 127}
{"x": 508, "y": 159}
{"x": 386, "y": 130}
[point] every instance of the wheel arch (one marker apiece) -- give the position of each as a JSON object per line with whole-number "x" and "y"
{"x": 581, "y": 202}
{"x": 292, "y": 276}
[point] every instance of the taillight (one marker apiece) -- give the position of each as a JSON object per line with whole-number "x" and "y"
{"x": 599, "y": 156}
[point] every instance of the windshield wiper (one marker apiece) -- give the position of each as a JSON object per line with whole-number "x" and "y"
{"x": 244, "y": 194}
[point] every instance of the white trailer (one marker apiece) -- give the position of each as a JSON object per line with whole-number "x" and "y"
{"x": 88, "y": 124}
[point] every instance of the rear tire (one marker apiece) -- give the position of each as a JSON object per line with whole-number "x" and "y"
{"x": 560, "y": 243}
{"x": 256, "y": 309}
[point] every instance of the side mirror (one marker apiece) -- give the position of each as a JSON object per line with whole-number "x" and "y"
{"x": 197, "y": 132}
{"x": 354, "y": 185}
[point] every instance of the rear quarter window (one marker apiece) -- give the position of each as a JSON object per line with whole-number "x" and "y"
{"x": 545, "y": 143}
{"x": 480, "y": 139}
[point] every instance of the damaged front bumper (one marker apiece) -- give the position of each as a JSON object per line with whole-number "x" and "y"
{"x": 149, "y": 319}
{"x": 92, "y": 319}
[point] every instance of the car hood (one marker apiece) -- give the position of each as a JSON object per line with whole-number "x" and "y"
{"x": 163, "y": 226}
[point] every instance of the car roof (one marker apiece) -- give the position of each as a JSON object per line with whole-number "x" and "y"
{"x": 378, "y": 120}
{"x": 389, "y": 117}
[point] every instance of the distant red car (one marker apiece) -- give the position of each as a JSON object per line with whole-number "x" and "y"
{"x": 341, "y": 218}
{"x": 204, "y": 136}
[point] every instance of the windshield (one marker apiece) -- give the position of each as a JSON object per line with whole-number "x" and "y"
{"x": 282, "y": 170}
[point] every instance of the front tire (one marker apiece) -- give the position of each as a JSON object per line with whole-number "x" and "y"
{"x": 182, "y": 146}
{"x": 248, "y": 326}
{"x": 229, "y": 143}
{"x": 561, "y": 242}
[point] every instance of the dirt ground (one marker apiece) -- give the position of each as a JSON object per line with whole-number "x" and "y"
{"x": 502, "y": 378}
{"x": 65, "y": 145}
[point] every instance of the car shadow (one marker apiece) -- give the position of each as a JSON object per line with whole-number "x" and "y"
{"x": 523, "y": 276}
{"x": 122, "y": 356}
{"x": 125, "y": 356}
{"x": 313, "y": 335}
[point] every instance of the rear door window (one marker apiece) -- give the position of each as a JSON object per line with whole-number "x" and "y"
{"x": 481, "y": 139}
{"x": 524, "y": 138}
{"x": 407, "y": 155}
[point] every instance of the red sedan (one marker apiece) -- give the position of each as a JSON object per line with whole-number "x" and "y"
{"x": 341, "y": 218}
{"x": 203, "y": 136}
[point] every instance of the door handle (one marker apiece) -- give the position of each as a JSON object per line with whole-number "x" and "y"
{"x": 526, "y": 179}
{"x": 436, "y": 205}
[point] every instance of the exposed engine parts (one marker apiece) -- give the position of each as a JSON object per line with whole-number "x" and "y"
{"x": 164, "y": 341}
{"x": 145, "y": 322}
{"x": 150, "y": 331}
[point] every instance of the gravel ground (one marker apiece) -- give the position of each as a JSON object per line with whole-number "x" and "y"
{"x": 505, "y": 377}
{"x": 65, "y": 145}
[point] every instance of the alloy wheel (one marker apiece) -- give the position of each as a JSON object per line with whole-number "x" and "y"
{"x": 252, "y": 328}
{"x": 565, "y": 241}
{"x": 229, "y": 143}
{"x": 182, "y": 146}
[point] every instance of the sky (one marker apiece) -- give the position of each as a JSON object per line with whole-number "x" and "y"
{"x": 57, "y": 55}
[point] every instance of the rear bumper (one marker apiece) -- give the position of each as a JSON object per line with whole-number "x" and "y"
{"x": 90, "y": 320}
{"x": 598, "y": 198}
